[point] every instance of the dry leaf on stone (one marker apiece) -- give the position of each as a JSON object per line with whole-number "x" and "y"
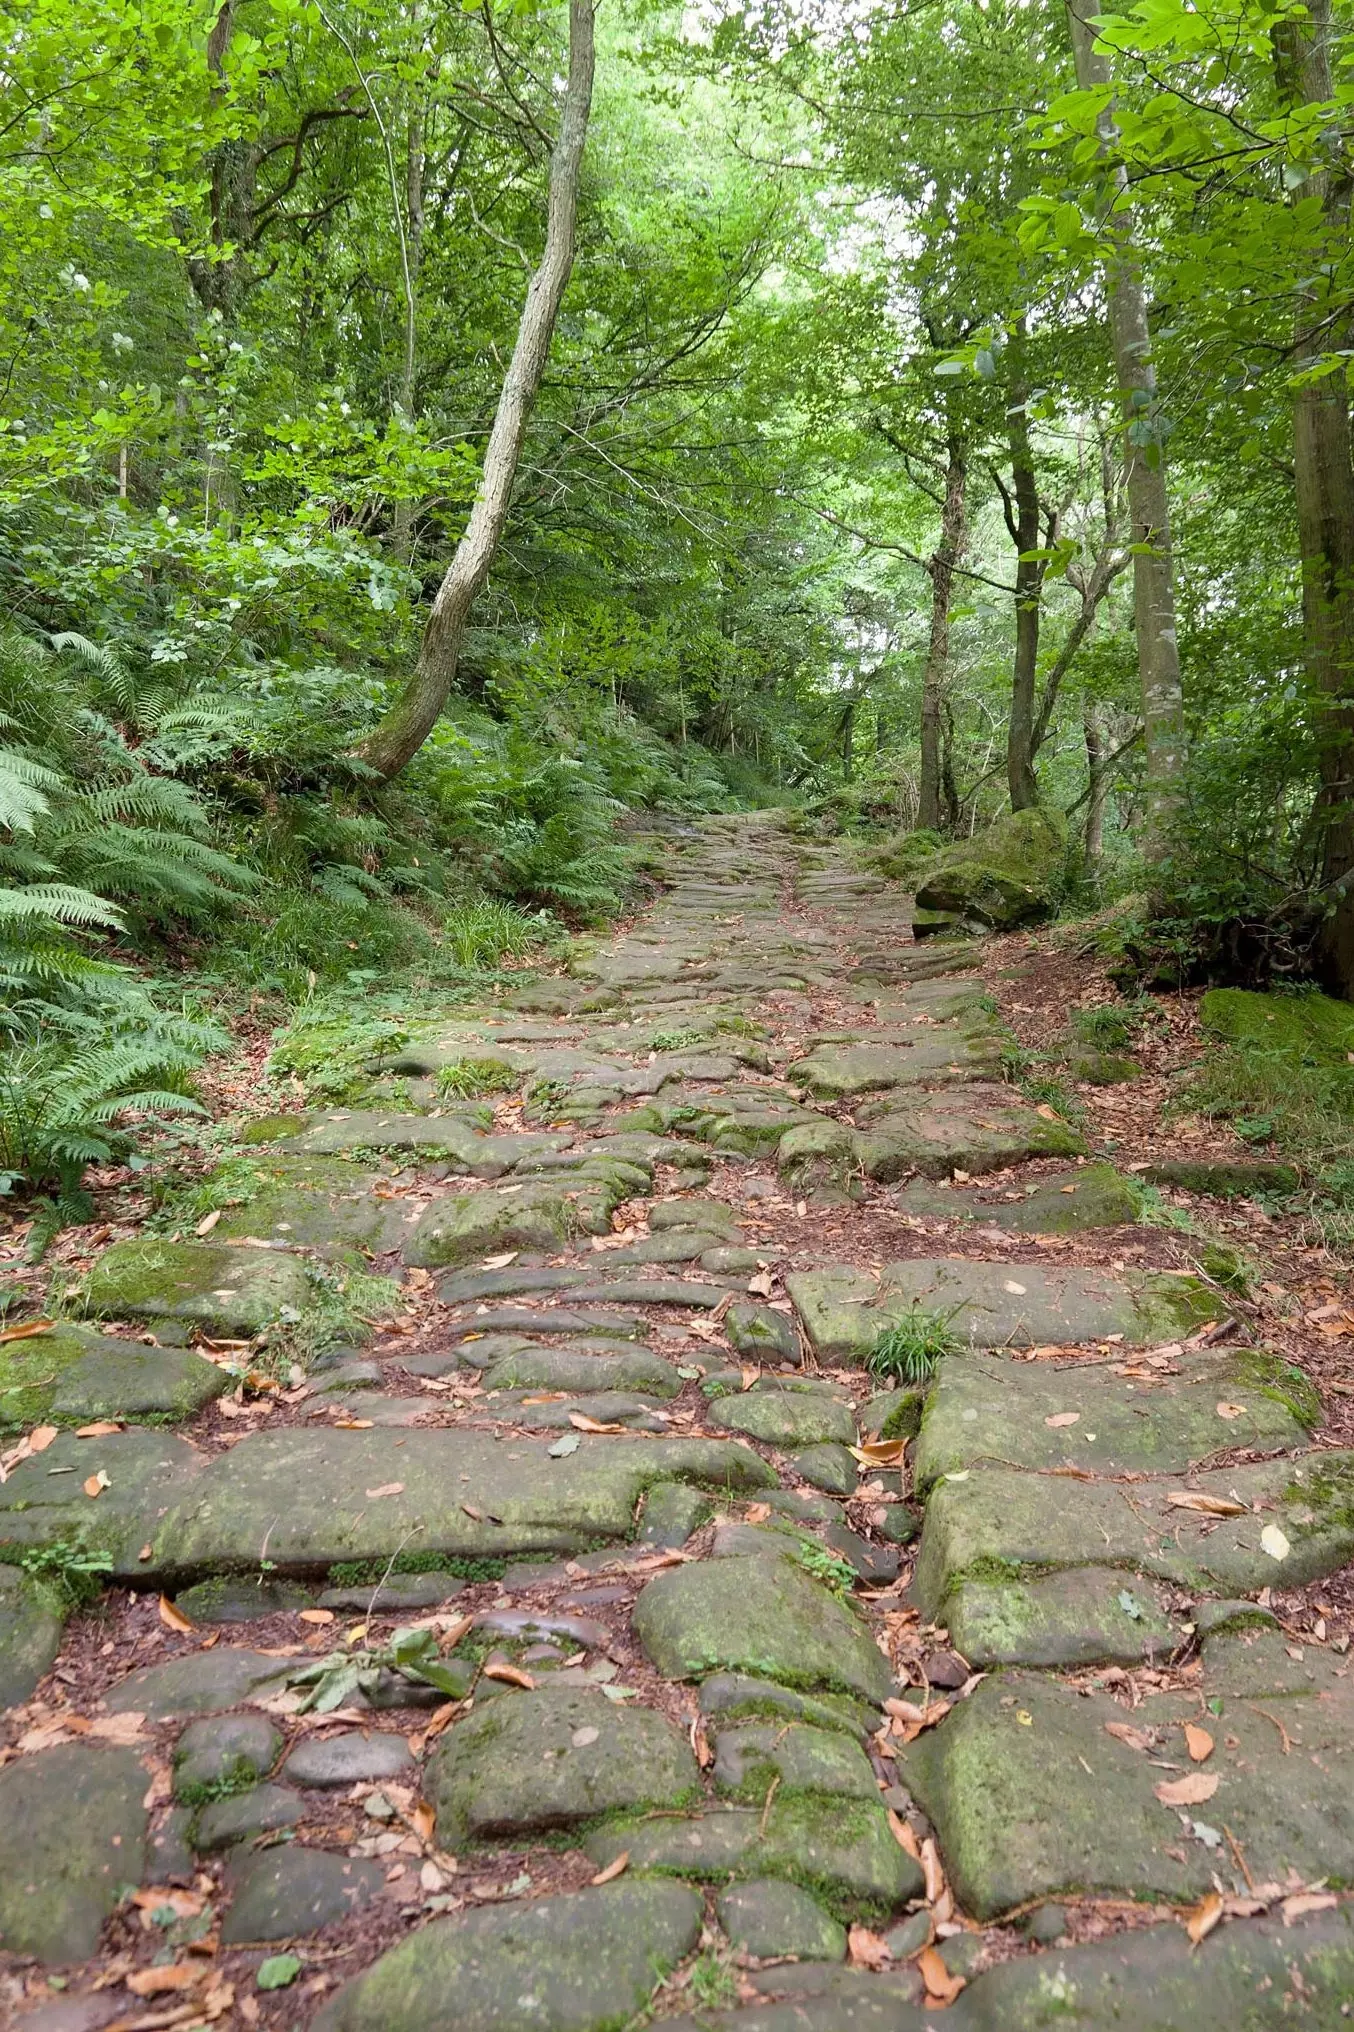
{"x": 1064, "y": 1418}
{"x": 1200, "y": 1922}
{"x": 1192, "y": 1790}
{"x": 1210, "y": 1506}
{"x": 1046, "y": 1113}
{"x": 120, "y": 1729}
{"x": 96, "y": 1484}
{"x": 1226, "y": 1410}
{"x": 423, "y": 1820}
{"x": 26, "y": 1332}
{"x": 868, "y": 1950}
{"x": 613, "y": 1869}
{"x": 880, "y": 1453}
{"x": 387, "y": 1489}
{"x": 510, "y": 1675}
{"x": 172, "y": 1618}
{"x": 582, "y": 1423}
{"x": 99, "y": 1431}
{"x": 1304, "y": 1902}
{"x": 941, "y": 1986}
{"x": 500, "y": 1262}
{"x": 1124, "y": 1732}
{"x": 208, "y": 1222}
{"x": 1198, "y": 1742}
{"x": 1273, "y": 1541}
{"x": 904, "y": 1836}
{"x": 760, "y": 1285}
{"x": 315, "y": 1615}
{"x": 154, "y": 1982}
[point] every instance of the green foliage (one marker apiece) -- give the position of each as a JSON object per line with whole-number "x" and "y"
{"x": 72, "y": 1571}
{"x": 466, "y": 1077}
{"x": 712, "y": 1982}
{"x": 912, "y": 1349}
{"x": 835, "y": 1573}
{"x": 331, "y": 1046}
{"x": 411, "y": 1652}
{"x": 1111, "y": 1026}
{"x": 481, "y": 932}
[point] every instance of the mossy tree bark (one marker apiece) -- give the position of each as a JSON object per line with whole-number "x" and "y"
{"x": 941, "y": 567}
{"x": 407, "y": 726}
{"x": 1323, "y": 465}
{"x": 1145, "y": 472}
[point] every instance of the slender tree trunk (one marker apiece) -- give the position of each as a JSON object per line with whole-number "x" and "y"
{"x": 1324, "y": 473}
{"x": 1145, "y": 474}
{"x": 1098, "y": 793}
{"x": 402, "y": 519}
{"x": 405, "y": 728}
{"x": 1023, "y": 522}
{"x": 935, "y": 678}
{"x": 849, "y": 743}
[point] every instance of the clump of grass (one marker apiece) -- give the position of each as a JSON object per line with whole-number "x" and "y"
{"x": 479, "y": 933}
{"x": 712, "y": 1983}
{"x": 330, "y": 1046}
{"x": 466, "y": 1077}
{"x": 1275, "y": 1097}
{"x": 826, "y": 1566}
{"x": 912, "y": 1349}
{"x": 1111, "y": 1026}
{"x": 676, "y": 1040}
{"x": 1051, "y": 1093}
{"x": 343, "y": 1308}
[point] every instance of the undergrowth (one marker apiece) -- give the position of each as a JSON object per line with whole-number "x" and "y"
{"x": 912, "y": 1349}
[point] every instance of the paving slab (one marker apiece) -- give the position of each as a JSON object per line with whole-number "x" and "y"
{"x": 1035, "y": 1791}
{"x": 995, "y": 1305}
{"x": 285, "y": 1893}
{"x": 30, "y": 1634}
{"x": 1110, "y": 1416}
{"x": 1000, "y": 1523}
{"x": 1065, "y": 1203}
{"x": 1086, "y": 1615}
{"x": 84, "y": 1839}
{"x": 585, "y": 1962}
{"x": 223, "y": 1288}
{"x": 70, "y": 1375}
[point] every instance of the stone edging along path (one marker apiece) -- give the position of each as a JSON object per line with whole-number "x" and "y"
{"x": 602, "y": 1643}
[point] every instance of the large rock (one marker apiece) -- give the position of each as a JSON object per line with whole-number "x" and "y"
{"x": 1033, "y": 1792}
{"x": 751, "y": 1757}
{"x": 995, "y": 1305}
{"x": 1005, "y": 876}
{"x": 45, "y": 1502}
{"x": 842, "y": 1849}
{"x": 761, "y": 1615}
{"x": 1086, "y": 1615}
{"x": 1153, "y": 1419}
{"x": 75, "y": 1836}
{"x": 468, "y": 1225}
{"x": 582, "y": 1963}
{"x": 575, "y": 1369}
{"x": 767, "y": 1919}
{"x": 833, "y": 1071}
{"x": 1067, "y": 1203}
{"x": 229, "y": 1290}
{"x": 318, "y": 1497}
{"x": 70, "y": 1376}
{"x": 30, "y": 1634}
{"x": 785, "y": 1417}
{"x": 281, "y": 1893}
{"x": 536, "y": 1761}
{"x": 1295, "y": 1524}
{"x": 200, "y": 1682}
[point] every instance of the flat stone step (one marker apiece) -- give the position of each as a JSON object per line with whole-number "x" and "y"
{"x": 996, "y": 1305}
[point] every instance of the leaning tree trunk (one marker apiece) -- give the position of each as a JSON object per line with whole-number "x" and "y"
{"x": 411, "y": 719}
{"x": 1324, "y": 486}
{"x": 1023, "y": 523}
{"x": 935, "y": 679}
{"x": 1145, "y": 474}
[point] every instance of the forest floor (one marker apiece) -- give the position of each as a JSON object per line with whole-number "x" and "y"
{"x": 812, "y": 1535}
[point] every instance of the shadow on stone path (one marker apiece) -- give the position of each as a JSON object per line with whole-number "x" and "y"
{"x": 605, "y": 1637}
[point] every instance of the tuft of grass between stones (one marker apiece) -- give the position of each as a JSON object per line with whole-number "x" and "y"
{"x": 912, "y": 1348}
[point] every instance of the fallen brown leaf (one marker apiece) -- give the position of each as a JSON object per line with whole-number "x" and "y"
{"x": 1191, "y": 1790}
{"x": 386, "y": 1489}
{"x": 1307, "y": 1901}
{"x": 510, "y": 1675}
{"x": 1064, "y": 1418}
{"x": 868, "y": 1950}
{"x": 172, "y": 1618}
{"x": 613, "y": 1869}
{"x": 95, "y": 1484}
{"x": 423, "y": 1820}
{"x": 941, "y": 1986}
{"x": 1211, "y": 1506}
{"x": 1198, "y": 1742}
{"x": 26, "y": 1332}
{"x": 582, "y": 1423}
{"x": 153, "y": 1982}
{"x": 99, "y": 1431}
{"x": 315, "y": 1615}
{"x": 1200, "y": 1922}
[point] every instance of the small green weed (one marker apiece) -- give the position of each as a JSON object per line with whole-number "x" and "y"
{"x": 911, "y": 1350}
{"x": 1051, "y": 1093}
{"x": 547, "y": 1096}
{"x": 713, "y": 1984}
{"x": 676, "y": 1040}
{"x": 344, "y": 1306}
{"x": 330, "y": 1046}
{"x": 74, "y": 1573}
{"x": 466, "y": 1077}
{"x": 1153, "y": 1210}
{"x": 834, "y": 1572}
{"x": 1112, "y": 1026}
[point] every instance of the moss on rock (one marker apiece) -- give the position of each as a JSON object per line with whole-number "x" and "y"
{"x": 1005, "y": 876}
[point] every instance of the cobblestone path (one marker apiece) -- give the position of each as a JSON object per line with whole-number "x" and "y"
{"x": 644, "y": 1623}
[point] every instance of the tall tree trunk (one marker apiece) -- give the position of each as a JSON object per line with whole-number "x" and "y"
{"x": 402, "y": 519}
{"x": 405, "y": 728}
{"x": 1097, "y": 793}
{"x": 935, "y": 679}
{"x": 1022, "y": 519}
{"x": 1324, "y": 473}
{"x": 1145, "y": 474}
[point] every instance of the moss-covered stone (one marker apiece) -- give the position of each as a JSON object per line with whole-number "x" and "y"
{"x": 785, "y": 1417}
{"x": 1308, "y": 1026}
{"x": 1067, "y": 1203}
{"x": 999, "y": 1523}
{"x": 223, "y": 1753}
{"x": 761, "y": 1332}
{"x": 263, "y": 1809}
{"x": 582, "y": 1963}
{"x": 1223, "y": 1178}
{"x": 550, "y": 1759}
{"x": 835, "y": 1071}
{"x": 466, "y": 1226}
{"x": 566, "y": 1368}
{"x": 842, "y": 1850}
{"x": 285, "y": 1893}
{"x": 844, "y": 1310}
{"x": 1084, "y": 1616}
{"x": 1005, "y": 876}
{"x": 985, "y": 1407}
{"x": 30, "y": 1634}
{"x": 767, "y": 1920}
{"x": 1033, "y": 1795}
{"x": 44, "y": 1504}
{"x": 893, "y": 1414}
{"x": 83, "y": 1826}
{"x": 974, "y": 1128}
{"x": 68, "y": 1375}
{"x": 1102, "y": 1068}
{"x": 230, "y": 1290}
{"x": 761, "y": 1615}
{"x": 751, "y": 1757}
